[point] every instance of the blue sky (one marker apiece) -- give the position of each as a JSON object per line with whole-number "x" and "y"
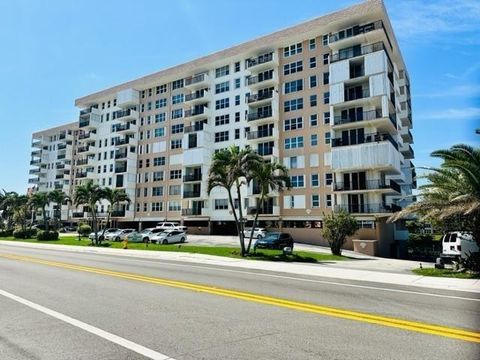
{"x": 55, "y": 51}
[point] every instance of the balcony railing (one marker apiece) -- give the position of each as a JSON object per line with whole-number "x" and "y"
{"x": 195, "y": 111}
{"x": 195, "y": 79}
{"x": 121, "y": 141}
{"x": 262, "y": 59}
{"x": 117, "y": 127}
{"x": 192, "y": 177}
{"x": 258, "y": 79}
{"x": 365, "y": 93}
{"x": 118, "y": 213}
{"x": 35, "y": 162}
{"x": 83, "y": 149}
{"x": 78, "y": 215}
{"x": 81, "y": 162}
{"x": 354, "y": 51}
{"x": 84, "y": 136}
{"x": 259, "y": 115}
{"x": 120, "y": 154}
{"x": 354, "y": 117}
{"x": 191, "y": 194}
{"x": 367, "y": 185}
{"x": 122, "y": 113}
{"x": 367, "y": 138}
{"x": 191, "y": 212}
{"x": 259, "y": 97}
{"x": 61, "y": 146}
{"x": 367, "y": 208}
{"x": 196, "y": 95}
{"x": 265, "y": 151}
{"x": 355, "y": 30}
{"x": 259, "y": 134}
{"x": 81, "y": 175}
{"x": 264, "y": 210}
{"x": 193, "y": 128}
{"x": 120, "y": 169}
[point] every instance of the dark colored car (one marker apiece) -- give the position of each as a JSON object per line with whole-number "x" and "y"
{"x": 274, "y": 240}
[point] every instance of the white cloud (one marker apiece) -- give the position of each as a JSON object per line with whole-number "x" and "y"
{"x": 458, "y": 114}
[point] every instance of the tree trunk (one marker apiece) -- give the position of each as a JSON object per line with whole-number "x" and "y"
{"x": 232, "y": 205}
{"x": 45, "y": 222}
{"x": 254, "y": 223}
{"x": 240, "y": 214}
{"x": 94, "y": 223}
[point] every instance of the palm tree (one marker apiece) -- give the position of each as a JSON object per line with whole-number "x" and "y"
{"x": 270, "y": 176}
{"x": 89, "y": 194}
{"x": 114, "y": 197}
{"x": 231, "y": 168}
{"x": 9, "y": 202}
{"x": 59, "y": 198}
{"x": 452, "y": 190}
{"x": 40, "y": 200}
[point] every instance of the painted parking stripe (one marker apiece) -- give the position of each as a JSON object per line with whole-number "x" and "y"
{"x": 431, "y": 329}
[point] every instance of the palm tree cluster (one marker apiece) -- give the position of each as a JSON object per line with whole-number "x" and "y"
{"x": 233, "y": 168}
{"x": 90, "y": 194}
{"x": 452, "y": 190}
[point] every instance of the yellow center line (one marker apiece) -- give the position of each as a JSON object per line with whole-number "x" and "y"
{"x": 420, "y": 327}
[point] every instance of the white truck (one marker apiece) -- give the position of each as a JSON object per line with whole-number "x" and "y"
{"x": 457, "y": 246}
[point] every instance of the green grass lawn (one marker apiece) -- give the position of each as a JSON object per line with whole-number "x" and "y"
{"x": 445, "y": 273}
{"x": 268, "y": 255}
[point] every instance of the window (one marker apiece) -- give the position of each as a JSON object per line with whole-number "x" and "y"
{"x": 328, "y": 200}
{"x": 174, "y": 205}
{"x": 293, "y": 68}
{"x": 294, "y": 104}
{"x": 326, "y": 117}
{"x": 161, "y": 103}
{"x": 313, "y": 81}
{"x": 175, "y": 174}
{"x": 293, "y": 124}
{"x": 314, "y": 179}
{"x": 222, "y": 87}
{"x": 328, "y": 179}
{"x": 222, "y": 71}
{"x": 177, "y": 84}
{"x": 160, "y": 117}
{"x": 297, "y": 181}
{"x": 292, "y": 50}
{"x": 292, "y": 86}
{"x": 157, "y": 206}
{"x": 174, "y": 190}
{"x": 159, "y": 161}
{"x": 294, "y": 143}
{"x": 313, "y": 100}
{"x": 177, "y": 99}
{"x": 326, "y": 78}
{"x": 313, "y": 120}
{"x": 158, "y": 132}
{"x": 313, "y": 139}
{"x": 176, "y": 144}
{"x": 325, "y": 40}
{"x": 315, "y": 201}
{"x": 222, "y": 103}
{"x": 237, "y": 83}
{"x": 237, "y": 100}
{"x": 327, "y": 137}
{"x": 312, "y": 44}
{"x": 177, "y": 113}
{"x": 237, "y": 134}
{"x": 149, "y": 106}
{"x": 158, "y": 176}
{"x": 157, "y": 191}
{"x": 326, "y": 97}
{"x": 313, "y": 62}
{"x": 237, "y": 66}
{"x": 177, "y": 128}
{"x": 237, "y": 116}
{"x": 293, "y": 162}
{"x": 221, "y": 204}
{"x": 222, "y": 119}
{"x": 221, "y": 136}
{"x": 325, "y": 59}
{"x": 161, "y": 89}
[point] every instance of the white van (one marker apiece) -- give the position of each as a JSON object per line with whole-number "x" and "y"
{"x": 457, "y": 245}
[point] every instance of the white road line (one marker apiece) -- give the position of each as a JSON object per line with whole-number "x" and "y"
{"x": 142, "y": 350}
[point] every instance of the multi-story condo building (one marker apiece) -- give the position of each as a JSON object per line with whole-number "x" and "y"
{"x": 329, "y": 98}
{"x": 51, "y": 162}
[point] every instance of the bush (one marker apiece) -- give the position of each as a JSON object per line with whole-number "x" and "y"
{"x": 6, "y": 233}
{"x": 84, "y": 230}
{"x": 24, "y": 234}
{"x": 47, "y": 235}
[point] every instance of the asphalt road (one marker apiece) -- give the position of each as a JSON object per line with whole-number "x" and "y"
{"x": 98, "y": 307}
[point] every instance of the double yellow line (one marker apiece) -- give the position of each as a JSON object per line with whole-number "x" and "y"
{"x": 424, "y": 328}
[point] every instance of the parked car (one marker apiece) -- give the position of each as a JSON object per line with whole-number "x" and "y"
{"x": 457, "y": 245}
{"x": 144, "y": 235}
{"x": 258, "y": 233}
{"x": 171, "y": 226}
{"x": 169, "y": 237}
{"x": 274, "y": 240}
{"x": 119, "y": 235}
{"x": 91, "y": 236}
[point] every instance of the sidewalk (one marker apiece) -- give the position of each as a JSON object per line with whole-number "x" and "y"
{"x": 329, "y": 270}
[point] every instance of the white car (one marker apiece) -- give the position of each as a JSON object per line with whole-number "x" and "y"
{"x": 91, "y": 236}
{"x": 144, "y": 235}
{"x": 119, "y": 235}
{"x": 258, "y": 233}
{"x": 171, "y": 226}
{"x": 169, "y": 237}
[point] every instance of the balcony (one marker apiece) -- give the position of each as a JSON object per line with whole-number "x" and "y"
{"x": 367, "y": 138}
{"x": 196, "y": 81}
{"x": 192, "y": 211}
{"x": 120, "y": 169}
{"x": 34, "y": 180}
{"x": 37, "y": 153}
{"x": 128, "y": 97}
{"x": 356, "y": 95}
{"x": 260, "y": 134}
{"x": 261, "y": 98}
{"x": 34, "y": 171}
{"x": 367, "y": 208}
{"x": 125, "y": 115}
{"x": 406, "y": 135}
{"x": 197, "y": 96}
{"x": 192, "y": 177}
{"x": 194, "y": 128}
{"x": 264, "y": 210}
{"x": 354, "y": 51}
{"x": 78, "y": 214}
{"x": 118, "y": 213}
{"x": 121, "y": 155}
{"x": 262, "y": 80}
{"x": 61, "y": 146}
{"x": 35, "y": 162}
{"x": 354, "y": 31}
{"x": 83, "y": 149}
{"x": 262, "y": 62}
{"x": 128, "y": 128}
{"x": 367, "y": 185}
{"x": 197, "y": 111}
{"x": 121, "y": 141}
{"x": 191, "y": 194}
{"x": 260, "y": 115}
{"x": 82, "y": 162}
{"x": 37, "y": 143}
{"x": 81, "y": 175}
{"x": 407, "y": 151}
{"x": 373, "y": 117}
{"x": 89, "y": 118}
{"x": 84, "y": 136}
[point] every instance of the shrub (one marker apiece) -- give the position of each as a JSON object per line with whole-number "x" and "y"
{"x": 6, "y": 233}
{"x": 47, "y": 235}
{"x": 24, "y": 234}
{"x": 84, "y": 230}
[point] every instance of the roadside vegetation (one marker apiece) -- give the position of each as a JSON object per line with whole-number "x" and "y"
{"x": 446, "y": 273}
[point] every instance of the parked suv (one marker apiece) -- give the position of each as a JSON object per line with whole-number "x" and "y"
{"x": 91, "y": 236}
{"x": 274, "y": 240}
{"x": 171, "y": 226}
{"x": 258, "y": 233}
{"x": 145, "y": 235}
{"x": 457, "y": 246}
{"x": 118, "y": 235}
